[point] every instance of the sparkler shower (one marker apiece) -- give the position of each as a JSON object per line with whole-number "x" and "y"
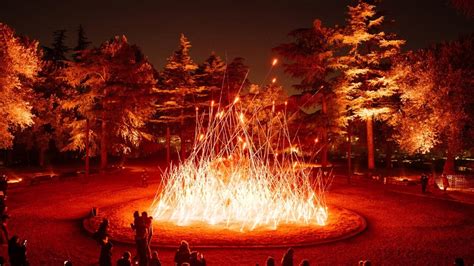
{"x": 243, "y": 173}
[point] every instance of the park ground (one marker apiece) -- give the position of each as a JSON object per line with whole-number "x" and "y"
{"x": 404, "y": 226}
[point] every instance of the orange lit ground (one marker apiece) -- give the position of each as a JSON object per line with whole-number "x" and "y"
{"x": 342, "y": 223}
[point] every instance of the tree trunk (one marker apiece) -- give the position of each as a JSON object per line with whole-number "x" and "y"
{"x": 41, "y": 156}
{"x": 181, "y": 136}
{"x": 370, "y": 144}
{"x": 87, "y": 147}
{"x": 168, "y": 145}
{"x": 349, "y": 153}
{"x": 324, "y": 151}
{"x": 103, "y": 143}
{"x": 388, "y": 157}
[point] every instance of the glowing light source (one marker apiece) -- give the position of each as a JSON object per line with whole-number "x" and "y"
{"x": 235, "y": 178}
{"x": 274, "y": 62}
{"x": 274, "y": 80}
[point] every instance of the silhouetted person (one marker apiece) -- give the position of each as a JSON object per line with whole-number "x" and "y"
{"x": 17, "y": 252}
{"x": 148, "y": 220}
{"x": 424, "y": 183}
{"x": 459, "y": 262}
{"x": 105, "y": 258}
{"x": 155, "y": 260}
{"x": 287, "y": 259}
{"x": 140, "y": 238}
{"x": 304, "y": 263}
{"x": 445, "y": 182}
{"x": 182, "y": 254}
{"x": 125, "y": 260}
{"x": 4, "y": 184}
{"x": 4, "y": 237}
{"x": 102, "y": 231}
{"x": 3, "y": 204}
{"x": 270, "y": 261}
{"x": 196, "y": 259}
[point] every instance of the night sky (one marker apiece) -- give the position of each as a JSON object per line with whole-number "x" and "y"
{"x": 230, "y": 28}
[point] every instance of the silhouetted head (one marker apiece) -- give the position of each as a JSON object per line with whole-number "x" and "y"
{"x": 270, "y": 261}
{"x": 304, "y": 263}
{"x": 459, "y": 261}
{"x": 127, "y": 255}
{"x": 144, "y": 214}
{"x": 154, "y": 255}
{"x": 136, "y": 214}
{"x": 184, "y": 246}
{"x": 14, "y": 240}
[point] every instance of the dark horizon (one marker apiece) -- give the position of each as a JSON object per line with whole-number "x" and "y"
{"x": 230, "y": 28}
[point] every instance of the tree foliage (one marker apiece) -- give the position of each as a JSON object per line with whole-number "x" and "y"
{"x": 111, "y": 86}
{"x": 435, "y": 106}
{"x": 19, "y": 65}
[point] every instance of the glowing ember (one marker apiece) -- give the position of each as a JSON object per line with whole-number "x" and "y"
{"x": 234, "y": 176}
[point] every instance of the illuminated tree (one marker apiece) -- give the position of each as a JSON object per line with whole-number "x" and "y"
{"x": 236, "y": 79}
{"x": 179, "y": 93}
{"x": 263, "y": 107}
{"x": 367, "y": 88}
{"x": 310, "y": 58}
{"x": 112, "y": 96}
{"x": 436, "y": 110}
{"x": 211, "y": 74}
{"x": 19, "y": 65}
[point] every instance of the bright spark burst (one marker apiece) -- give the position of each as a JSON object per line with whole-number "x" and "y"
{"x": 241, "y": 175}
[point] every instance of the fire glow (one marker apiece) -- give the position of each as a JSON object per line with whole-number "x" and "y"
{"x": 241, "y": 175}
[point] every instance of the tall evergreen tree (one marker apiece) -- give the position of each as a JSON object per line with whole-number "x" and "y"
{"x": 82, "y": 43}
{"x": 367, "y": 88}
{"x": 309, "y": 57}
{"x": 236, "y": 79}
{"x": 211, "y": 74}
{"x": 58, "y": 50}
{"x": 180, "y": 94}
{"x": 112, "y": 93}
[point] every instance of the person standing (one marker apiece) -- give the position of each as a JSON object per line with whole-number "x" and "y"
{"x": 102, "y": 231}
{"x": 148, "y": 220}
{"x": 287, "y": 259}
{"x": 105, "y": 258}
{"x": 155, "y": 260}
{"x": 140, "y": 238}
{"x": 182, "y": 254}
{"x": 17, "y": 252}
{"x": 445, "y": 182}
{"x": 125, "y": 260}
{"x": 424, "y": 182}
{"x": 4, "y": 184}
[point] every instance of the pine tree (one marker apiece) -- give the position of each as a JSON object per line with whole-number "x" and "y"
{"x": 82, "y": 43}
{"x": 58, "y": 50}
{"x": 112, "y": 98}
{"x": 211, "y": 74}
{"x": 19, "y": 65}
{"x": 367, "y": 89}
{"x": 179, "y": 92}
{"x": 309, "y": 58}
{"x": 236, "y": 79}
